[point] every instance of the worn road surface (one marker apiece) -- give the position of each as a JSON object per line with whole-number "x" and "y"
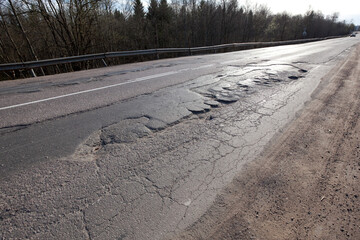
{"x": 306, "y": 185}
{"x": 145, "y": 151}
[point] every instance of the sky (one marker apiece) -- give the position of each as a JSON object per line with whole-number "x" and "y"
{"x": 349, "y": 10}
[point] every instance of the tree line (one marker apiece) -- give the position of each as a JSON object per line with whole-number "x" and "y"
{"x": 43, "y": 29}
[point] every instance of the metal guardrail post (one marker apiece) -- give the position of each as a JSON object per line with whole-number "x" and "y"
{"x": 33, "y": 72}
{"x": 103, "y": 61}
{"x": 157, "y": 54}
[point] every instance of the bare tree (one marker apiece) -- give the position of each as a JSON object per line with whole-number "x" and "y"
{"x": 33, "y": 29}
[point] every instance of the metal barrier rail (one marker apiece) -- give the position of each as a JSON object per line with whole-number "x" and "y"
{"x": 49, "y": 62}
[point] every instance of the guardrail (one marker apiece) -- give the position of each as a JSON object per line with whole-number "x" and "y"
{"x": 102, "y": 56}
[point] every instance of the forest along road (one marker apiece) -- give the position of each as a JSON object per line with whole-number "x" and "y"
{"x": 141, "y": 151}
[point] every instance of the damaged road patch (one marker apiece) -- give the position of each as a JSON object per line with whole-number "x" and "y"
{"x": 125, "y": 131}
{"x": 157, "y": 165}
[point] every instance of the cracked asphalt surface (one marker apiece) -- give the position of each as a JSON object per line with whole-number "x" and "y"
{"x": 147, "y": 161}
{"x": 306, "y": 185}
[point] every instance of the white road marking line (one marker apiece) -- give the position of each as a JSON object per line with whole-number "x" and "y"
{"x": 109, "y": 86}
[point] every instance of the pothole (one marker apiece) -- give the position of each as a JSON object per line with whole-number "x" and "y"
{"x": 226, "y": 98}
{"x": 212, "y": 103}
{"x": 293, "y": 77}
{"x": 86, "y": 151}
{"x": 66, "y": 84}
{"x": 29, "y": 91}
{"x": 198, "y": 107}
{"x": 125, "y": 131}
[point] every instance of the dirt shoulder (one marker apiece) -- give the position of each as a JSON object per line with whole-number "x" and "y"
{"x": 306, "y": 185}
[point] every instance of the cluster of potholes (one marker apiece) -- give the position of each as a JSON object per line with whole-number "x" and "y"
{"x": 208, "y": 93}
{"x": 232, "y": 87}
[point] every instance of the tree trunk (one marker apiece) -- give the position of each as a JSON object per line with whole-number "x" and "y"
{"x": 10, "y": 38}
{"x": 24, "y": 33}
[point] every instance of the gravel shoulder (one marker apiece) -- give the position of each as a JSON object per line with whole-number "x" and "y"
{"x": 306, "y": 185}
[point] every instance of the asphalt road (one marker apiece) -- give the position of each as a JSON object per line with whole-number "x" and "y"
{"x": 140, "y": 151}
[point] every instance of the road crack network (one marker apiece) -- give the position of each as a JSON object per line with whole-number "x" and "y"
{"x": 163, "y": 168}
